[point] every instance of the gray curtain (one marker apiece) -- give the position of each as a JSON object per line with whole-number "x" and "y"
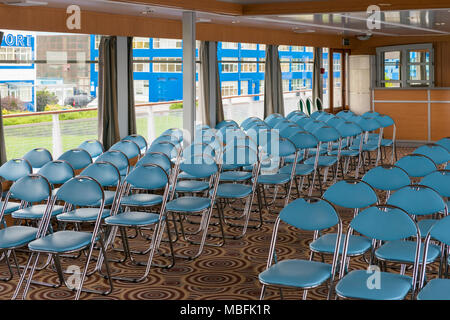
{"x": 207, "y": 57}
{"x": 317, "y": 91}
{"x": 2, "y": 134}
{"x": 108, "y": 120}
{"x": 273, "y": 86}
{"x": 131, "y": 108}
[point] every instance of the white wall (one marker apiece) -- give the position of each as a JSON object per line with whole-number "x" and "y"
{"x": 359, "y": 88}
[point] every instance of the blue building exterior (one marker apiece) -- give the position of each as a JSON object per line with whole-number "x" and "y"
{"x": 167, "y": 86}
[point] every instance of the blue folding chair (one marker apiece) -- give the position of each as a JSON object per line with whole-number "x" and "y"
{"x": 295, "y": 113}
{"x": 199, "y": 167}
{"x": 444, "y": 142}
{"x": 247, "y": 123}
{"x": 380, "y": 223}
{"x": 440, "y": 182}
{"x": 417, "y": 165}
{"x": 227, "y": 123}
{"x": 349, "y": 131}
{"x": 38, "y": 157}
{"x": 29, "y": 189}
{"x": 387, "y": 178}
{"x": 346, "y": 114}
{"x": 386, "y": 122}
{"x": 130, "y": 148}
{"x": 13, "y": 170}
{"x": 369, "y": 126}
{"x": 437, "y": 288}
{"x": 77, "y": 158}
{"x": 308, "y": 214}
{"x": 79, "y": 191}
{"x": 94, "y": 147}
{"x": 144, "y": 178}
{"x": 273, "y": 119}
{"x": 175, "y": 132}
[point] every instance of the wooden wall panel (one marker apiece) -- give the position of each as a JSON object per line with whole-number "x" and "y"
{"x": 440, "y": 120}
{"x": 410, "y": 119}
{"x": 440, "y": 95}
{"x": 399, "y": 95}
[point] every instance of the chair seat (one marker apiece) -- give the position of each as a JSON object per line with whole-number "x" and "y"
{"x": 300, "y": 169}
{"x": 392, "y": 286}
{"x": 404, "y": 251}
{"x": 82, "y": 215}
{"x": 278, "y": 178}
{"x": 369, "y": 146}
{"x": 184, "y": 175}
{"x": 61, "y": 241}
{"x": 296, "y": 273}
{"x": 324, "y": 161}
{"x": 233, "y": 190}
{"x": 141, "y": 199}
{"x": 235, "y": 176}
{"x": 10, "y": 207}
{"x": 290, "y": 158}
{"x": 133, "y": 218}
{"x": 357, "y": 245}
{"x": 346, "y": 153}
{"x": 435, "y": 289}
{"x": 386, "y": 142}
{"x": 188, "y": 204}
{"x": 191, "y": 186}
{"x": 16, "y": 236}
{"x": 35, "y": 212}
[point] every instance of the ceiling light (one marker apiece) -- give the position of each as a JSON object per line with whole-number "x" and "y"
{"x": 203, "y": 20}
{"x": 147, "y": 11}
{"x": 235, "y": 21}
{"x": 384, "y": 4}
{"x": 299, "y": 30}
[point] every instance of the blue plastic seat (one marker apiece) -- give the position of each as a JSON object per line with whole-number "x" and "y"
{"x": 10, "y": 207}
{"x": 309, "y": 214}
{"x": 326, "y": 244}
{"x": 35, "y": 212}
{"x": 436, "y": 289}
{"x": 62, "y": 241}
{"x": 141, "y": 200}
{"x": 133, "y": 218}
{"x": 393, "y": 286}
{"x": 191, "y": 186}
{"x": 235, "y": 176}
{"x": 233, "y": 190}
{"x": 301, "y": 169}
{"x": 82, "y": 215}
{"x": 16, "y": 236}
{"x": 189, "y": 204}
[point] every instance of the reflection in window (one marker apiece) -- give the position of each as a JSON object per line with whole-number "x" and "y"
{"x": 141, "y": 43}
{"x": 229, "y": 67}
{"x": 161, "y": 43}
{"x": 169, "y": 66}
{"x": 229, "y": 88}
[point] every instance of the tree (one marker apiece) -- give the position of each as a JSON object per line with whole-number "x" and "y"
{"x": 11, "y": 103}
{"x": 44, "y": 98}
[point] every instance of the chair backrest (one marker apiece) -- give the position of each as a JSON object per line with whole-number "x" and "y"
{"x": 81, "y": 191}
{"x": 273, "y": 121}
{"x": 444, "y": 142}
{"x": 351, "y": 194}
{"x": 435, "y": 152}
{"x": 274, "y": 115}
{"x": 94, "y": 147}
{"x": 311, "y": 126}
{"x": 319, "y": 105}
{"x": 371, "y": 114}
{"x": 325, "y": 116}
{"x": 439, "y": 181}
{"x": 303, "y": 140}
{"x": 149, "y": 176}
{"x": 139, "y": 140}
{"x": 416, "y": 165}
{"x": 246, "y": 124}
{"x": 326, "y": 133}
{"x": 295, "y": 113}
{"x": 290, "y": 130}
{"x": 418, "y": 200}
{"x": 166, "y": 147}
{"x": 31, "y": 188}
{"x": 385, "y": 120}
{"x": 387, "y": 178}
{"x": 158, "y": 158}
{"x": 345, "y": 128}
{"x": 104, "y": 172}
{"x": 78, "y": 158}
{"x": 175, "y": 132}
{"x": 198, "y": 148}
{"x": 368, "y": 124}
{"x": 282, "y": 124}
{"x": 117, "y": 158}
{"x": 166, "y": 137}
{"x": 200, "y": 166}
{"x": 57, "y": 172}
{"x": 229, "y": 133}
{"x": 130, "y": 148}
{"x": 236, "y": 156}
{"x": 226, "y": 123}
{"x": 15, "y": 169}
{"x": 346, "y": 114}
{"x": 302, "y": 122}
{"x": 317, "y": 114}
{"x": 38, "y": 157}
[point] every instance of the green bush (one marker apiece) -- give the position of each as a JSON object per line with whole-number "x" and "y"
{"x": 176, "y": 106}
{"x": 44, "y": 98}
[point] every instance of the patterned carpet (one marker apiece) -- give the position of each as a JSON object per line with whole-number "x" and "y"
{"x": 228, "y": 272}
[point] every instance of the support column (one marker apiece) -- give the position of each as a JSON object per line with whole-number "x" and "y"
{"x": 122, "y": 85}
{"x": 189, "y": 74}
{"x": 212, "y": 83}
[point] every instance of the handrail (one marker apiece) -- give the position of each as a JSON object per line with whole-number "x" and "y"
{"x": 139, "y": 105}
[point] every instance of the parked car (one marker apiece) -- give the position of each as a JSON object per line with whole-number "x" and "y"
{"x": 78, "y": 101}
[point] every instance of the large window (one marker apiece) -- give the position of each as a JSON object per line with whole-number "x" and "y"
{"x": 244, "y": 87}
{"x": 161, "y": 43}
{"x": 229, "y": 88}
{"x": 229, "y": 45}
{"x": 284, "y": 64}
{"x": 229, "y": 67}
{"x": 248, "y": 67}
{"x": 262, "y": 65}
{"x": 248, "y": 46}
{"x": 297, "y": 84}
{"x": 298, "y": 65}
{"x": 141, "y": 67}
{"x": 168, "y": 66}
{"x": 283, "y": 48}
{"x": 405, "y": 66}
{"x": 141, "y": 43}
{"x": 16, "y": 54}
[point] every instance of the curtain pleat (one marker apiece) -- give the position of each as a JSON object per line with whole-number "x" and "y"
{"x": 131, "y": 106}
{"x": 316, "y": 85}
{"x": 273, "y": 86}
{"x": 108, "y": 120}
{"x": 3, "y": 157}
